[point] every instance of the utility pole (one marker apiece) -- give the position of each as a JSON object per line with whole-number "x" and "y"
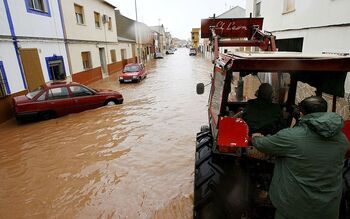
{"x": 137, "y": 35}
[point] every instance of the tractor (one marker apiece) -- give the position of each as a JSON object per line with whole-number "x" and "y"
{"x": 232, "y": 178}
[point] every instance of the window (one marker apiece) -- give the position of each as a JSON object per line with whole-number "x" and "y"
{"x": 86, "y": 57}
{"x": 288, "y": 6}
{"x": 42, "y": 97}
{"x": 79, "y": 91}
{"x": 58, "y": 93}
{"x": 109, "y": 23}
{"x": 257, "y": 9}
{"x": 79, "y": 14}
{"x": 35, "y": 92}
{"x": 38, "y": 7}
{"x": 4, "y": 87}
{"x": 97, "y": 20}
{"x": 131, "y": 68}
{"x": 290, "y": 44}
{"x": 113, "y": 55}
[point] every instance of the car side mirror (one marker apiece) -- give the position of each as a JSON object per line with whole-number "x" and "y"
{"x": 200, "y": 88}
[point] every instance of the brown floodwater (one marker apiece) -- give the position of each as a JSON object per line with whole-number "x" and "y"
{"x": 134, "y": 160}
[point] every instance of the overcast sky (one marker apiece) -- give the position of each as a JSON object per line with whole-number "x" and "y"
{"x": 178, "y": 16}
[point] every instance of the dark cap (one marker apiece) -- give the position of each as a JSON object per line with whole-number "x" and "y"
{"x": 313, "y": 104}
{"x": 264, "y": 92}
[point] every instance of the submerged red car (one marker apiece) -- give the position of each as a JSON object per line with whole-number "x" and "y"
{"x": 61, "y": 98}
{"x": 133, "y": 73}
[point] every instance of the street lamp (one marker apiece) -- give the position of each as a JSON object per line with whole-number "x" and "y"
{"x": 137, "y": 34}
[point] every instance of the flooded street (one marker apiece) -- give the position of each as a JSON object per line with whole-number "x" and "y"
{"x": 133, "y": 160}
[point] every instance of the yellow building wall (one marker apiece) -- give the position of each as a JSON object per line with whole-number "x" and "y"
{"x": 195, "y": 37}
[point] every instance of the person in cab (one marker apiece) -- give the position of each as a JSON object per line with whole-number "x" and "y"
{"x": 261, "y": 114}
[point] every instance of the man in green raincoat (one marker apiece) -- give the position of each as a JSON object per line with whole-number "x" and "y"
{"x": 307, "y": 179}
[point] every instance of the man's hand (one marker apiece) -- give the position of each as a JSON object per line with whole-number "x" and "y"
{"x": 257, "y": 135}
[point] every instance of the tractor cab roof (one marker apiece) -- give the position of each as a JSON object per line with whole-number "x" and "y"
{"x": 331, "y": 70}
{"x": 287, "y": 62}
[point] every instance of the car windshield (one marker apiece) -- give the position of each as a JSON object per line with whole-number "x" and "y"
{"x": 33, "y": 93}
{"x": 131, "y": 68}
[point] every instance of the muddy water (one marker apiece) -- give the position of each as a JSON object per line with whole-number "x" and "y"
{"x": 133, "y": 160}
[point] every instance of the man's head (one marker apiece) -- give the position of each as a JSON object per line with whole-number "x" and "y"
{"x": 264, "y": 92}
{"x": 313, "y": 104}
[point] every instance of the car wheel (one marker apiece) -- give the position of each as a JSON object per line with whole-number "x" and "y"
{"x": 19, "y": 120}
{"x": 47, "y": 115}
{"x": 110, "y": 103}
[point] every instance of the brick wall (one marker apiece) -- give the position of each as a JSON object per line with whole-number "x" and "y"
{"x": 115, "y": 67}
{"x": 6, "y": 106}
{"x": 89, "y": 76}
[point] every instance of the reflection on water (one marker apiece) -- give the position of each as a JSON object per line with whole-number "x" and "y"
{"x": 133, "y": 160}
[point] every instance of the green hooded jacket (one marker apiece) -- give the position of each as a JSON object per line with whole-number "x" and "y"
{"x": 307, "y": 179}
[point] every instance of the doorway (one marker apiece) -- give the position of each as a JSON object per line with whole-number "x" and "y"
{"x": 55, "y": 67}
{"x": 123, "y": 54}
{"x": 103, "y": 60}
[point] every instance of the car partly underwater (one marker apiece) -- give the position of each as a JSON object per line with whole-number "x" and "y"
{"x": 60, "y": 98}
{"x": 133, "y": 73}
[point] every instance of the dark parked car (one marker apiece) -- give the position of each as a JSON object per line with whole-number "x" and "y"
{"x": 61, "y": 98}
{"x": 158, "y": 55}
{"x": 133, "y": 73}
{"x": 193, "y": 52}
{"x": 169, "y": 51}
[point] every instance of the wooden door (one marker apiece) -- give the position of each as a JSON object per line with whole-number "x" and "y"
{"x": 32, "y": 68}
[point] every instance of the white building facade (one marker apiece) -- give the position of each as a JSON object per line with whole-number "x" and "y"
{"x": 91, "y": 37}
{"x": 32, "y": 48}
{"x": 306, "y": 26}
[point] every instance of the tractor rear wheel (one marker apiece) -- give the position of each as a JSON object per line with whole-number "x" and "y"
{"x": 223, "y": 187}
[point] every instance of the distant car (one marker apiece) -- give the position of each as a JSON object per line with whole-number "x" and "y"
{"x": 193, "y": 52}
{"x": 133, "y": 73}
{"x": 158, "y": 55}
{"x": 169, "y": 51}
{"x": 60, "y": 98}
